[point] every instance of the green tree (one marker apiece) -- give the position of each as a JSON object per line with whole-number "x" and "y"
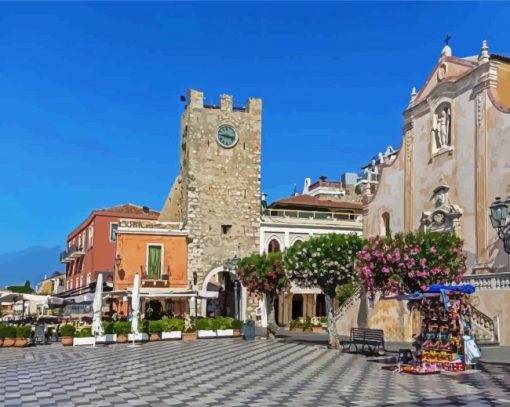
{"x": 21, "y": 289}
{"x": 326, "y": 262}
{"x": 264, "y": 275}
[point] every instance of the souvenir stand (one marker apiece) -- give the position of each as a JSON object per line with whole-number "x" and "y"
{"x": 446, "y": 341}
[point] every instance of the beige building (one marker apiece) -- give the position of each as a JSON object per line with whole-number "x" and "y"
{"x": 296, "y": 219}
{"x": 454, "y": 160}
{"x": 216, "y": 196}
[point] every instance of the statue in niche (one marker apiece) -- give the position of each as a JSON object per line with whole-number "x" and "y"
{"x": 441, "y": 127}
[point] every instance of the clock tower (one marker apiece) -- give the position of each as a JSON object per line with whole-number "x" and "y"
{"x": 217, "y": 194}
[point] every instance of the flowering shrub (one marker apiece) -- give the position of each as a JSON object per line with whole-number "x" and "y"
{"x": 263, "y": 274}
{"x": 410, "y": 262}
{"x": 325, "y": 261}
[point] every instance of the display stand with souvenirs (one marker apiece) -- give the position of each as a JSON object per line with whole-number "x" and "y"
{"x": 446, "y": 341}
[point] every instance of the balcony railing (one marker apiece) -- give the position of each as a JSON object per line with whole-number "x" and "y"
{"x": 73, "y": 252}
{"x": 162, "y": 282}
{"x": 315, "y": 215}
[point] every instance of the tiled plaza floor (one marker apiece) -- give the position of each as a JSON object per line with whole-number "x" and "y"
{"x": 229, "y": 372}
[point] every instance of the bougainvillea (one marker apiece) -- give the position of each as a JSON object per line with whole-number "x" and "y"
{"x": 325, "y": 261}
{"x": 410, "y": 262}
{"x": 263, "y": 274}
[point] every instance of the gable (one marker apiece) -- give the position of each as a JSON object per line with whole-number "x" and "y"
{"x": 448, "y": 69}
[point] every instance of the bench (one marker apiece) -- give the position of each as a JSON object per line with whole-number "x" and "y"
{"x": 370, "y": 340}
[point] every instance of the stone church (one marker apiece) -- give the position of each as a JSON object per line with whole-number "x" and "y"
{"x": 216, "y": 198}
{"x": 453, "y": 162}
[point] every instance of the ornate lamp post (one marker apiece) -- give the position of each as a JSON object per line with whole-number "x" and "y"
{"x": 499, "y": 211}
{"x": 230, "y": 265}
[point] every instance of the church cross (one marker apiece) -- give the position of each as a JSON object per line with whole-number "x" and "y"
{"x": 447, "y": 39}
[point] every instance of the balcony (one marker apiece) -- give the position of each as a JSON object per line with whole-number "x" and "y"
{"x": 72, "y": 253}
{"x": 312, "y": 215}
{"x": 163, "y": 282}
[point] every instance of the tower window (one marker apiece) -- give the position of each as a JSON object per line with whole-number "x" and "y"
{"x": 225, "y": 229}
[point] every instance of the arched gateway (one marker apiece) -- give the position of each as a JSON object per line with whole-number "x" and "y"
{"x": 223, "y": 294}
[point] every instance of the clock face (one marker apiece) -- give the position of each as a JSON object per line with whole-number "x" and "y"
{"x": 226, "y": 136}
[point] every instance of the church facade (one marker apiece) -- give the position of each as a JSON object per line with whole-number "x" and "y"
{"x": 454, "y": 160}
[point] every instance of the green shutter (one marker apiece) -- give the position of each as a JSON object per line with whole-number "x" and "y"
{"x": 154, "y": 263}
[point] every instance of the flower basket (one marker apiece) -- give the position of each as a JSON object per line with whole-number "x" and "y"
{"x": 189, "y": 336}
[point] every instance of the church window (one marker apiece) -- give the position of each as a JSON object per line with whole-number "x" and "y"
{"x": 385, "y": 225}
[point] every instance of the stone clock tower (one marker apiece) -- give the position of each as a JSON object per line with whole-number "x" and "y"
{"x": 217, "y": 194}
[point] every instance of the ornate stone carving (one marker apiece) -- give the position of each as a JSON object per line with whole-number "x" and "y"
{"x": 441, "y": 127}
{"x": 445, "y": 216}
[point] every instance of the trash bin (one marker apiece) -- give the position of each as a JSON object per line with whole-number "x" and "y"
{"x": 248, "y": 330}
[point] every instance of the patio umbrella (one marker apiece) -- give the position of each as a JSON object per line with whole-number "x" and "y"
{"x": 97, "y": 326}
{"x": 135, "y": 305}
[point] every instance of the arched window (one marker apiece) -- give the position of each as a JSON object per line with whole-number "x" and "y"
{"x": 297, "y": 240}
{"x": 385, "y": 224}
{"x": 273, "y": 246}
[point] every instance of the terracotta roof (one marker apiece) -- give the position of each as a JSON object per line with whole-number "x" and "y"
{"x": 501, "y": 58}
{"x": 133, "y": 211}
{"x": 314, "y": 202}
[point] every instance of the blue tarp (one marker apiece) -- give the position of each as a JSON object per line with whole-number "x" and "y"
{"x": 464, "y": 288}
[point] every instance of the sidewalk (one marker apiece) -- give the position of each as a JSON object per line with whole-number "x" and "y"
{"x": 490, "y": 354}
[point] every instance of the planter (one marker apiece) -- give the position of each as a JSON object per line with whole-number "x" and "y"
{"x": 67, "y": 340}
{"x": 296, "y": 330}
{"x": 107, "y": 338}
{"x": 318, "y": 330}
{"x": 122, "y": 338}
{"x": 206, "y": 334}
{"x": 142, "y": 336}
{"x": 225, "y": 332}
{"x": 20, "y": 342}
{"x": 189, "y": 336}
{"x": 154, "y": 337}
{"x": 171, "y": 335}
{"x": 87, "y": 340}
{"x": 1, "y": 341}
{"x": 237, "y": 332}
{"x": 307, "y": 330}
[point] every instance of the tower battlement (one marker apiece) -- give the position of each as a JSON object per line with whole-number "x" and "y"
{"x": 196, "y": 101}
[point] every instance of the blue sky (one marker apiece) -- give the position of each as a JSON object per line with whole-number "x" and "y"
{"x": 89, "y": 93}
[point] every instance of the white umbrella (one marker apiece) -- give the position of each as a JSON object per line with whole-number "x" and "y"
{"x": 135, "y": 305}
{"x": 97, "y": 326}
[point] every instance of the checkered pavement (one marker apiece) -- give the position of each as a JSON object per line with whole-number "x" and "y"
{"x": 229, "y": 372}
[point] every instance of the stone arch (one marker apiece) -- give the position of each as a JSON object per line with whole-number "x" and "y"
{"x": 297, "y": 239}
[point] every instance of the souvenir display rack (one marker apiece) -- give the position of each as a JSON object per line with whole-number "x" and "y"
{"x": 445, "y": 319}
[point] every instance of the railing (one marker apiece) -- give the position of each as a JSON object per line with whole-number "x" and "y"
{"x": 71, "y": 253}
{"x": 495, "y": 281}
{"x": 348, "y": 303}
{"x": 162, "y": 282}
{"x": 315, "y": 215}
{"x": 488, "y": 328}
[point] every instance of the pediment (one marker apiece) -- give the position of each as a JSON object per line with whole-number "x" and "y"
{"x": 448, "y": 69}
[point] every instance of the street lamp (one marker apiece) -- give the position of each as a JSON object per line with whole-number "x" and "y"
{"x": 498, "y": 215}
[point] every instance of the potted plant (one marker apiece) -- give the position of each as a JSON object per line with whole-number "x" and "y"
{"x": 225, "y": 326}
{"x": 155, "y": 329}
{"x": 295, "y": 325}
{"x": 306, "y": 325}
{"x": 84, "y": 337}
{"x": 143, "y": 331}
{"x": 10, "y": 335}
{"x": 172, "y": 328}
{"x": 206, "y": 328}
{"x": 2, "y": 334}
{"x": 122, "y": 329}
{"x": 190, "y": 331}
{"x": 23, "y": 332}
{"x": 109, "y": 335}
{"x": 237, "y": 325}
{"x": 67, "y": 334}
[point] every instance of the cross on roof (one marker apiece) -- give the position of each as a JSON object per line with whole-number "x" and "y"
{"x": 447, "y": 39}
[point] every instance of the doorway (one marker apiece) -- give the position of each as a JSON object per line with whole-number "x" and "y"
{"x": 297, "y": 306}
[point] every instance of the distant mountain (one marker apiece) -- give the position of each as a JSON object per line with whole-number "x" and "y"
{"x": 31, "y": 264}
